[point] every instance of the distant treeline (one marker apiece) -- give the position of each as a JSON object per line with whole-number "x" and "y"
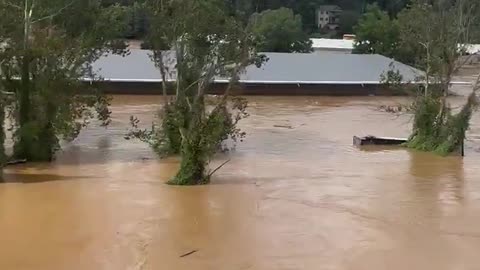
{"x": 306, "y": 8}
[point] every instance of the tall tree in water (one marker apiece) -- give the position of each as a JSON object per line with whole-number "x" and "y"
{"x": 5, "y": 28}
{"x": 280, "y": 30}
{"x": 437, "y": 32}
{"x": 209, "y": 42}
{"x": 47, "y": 49}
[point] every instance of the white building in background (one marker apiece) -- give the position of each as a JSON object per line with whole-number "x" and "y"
{"x": 347, "y": 44}
{"x": 328, "y": 16}
{"x": 473, "y": 49}
{"x": 344, "y": 46}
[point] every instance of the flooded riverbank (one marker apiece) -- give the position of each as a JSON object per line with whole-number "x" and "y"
{"x": 300, "y": 198}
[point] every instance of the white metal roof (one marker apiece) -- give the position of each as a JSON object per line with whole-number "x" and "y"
{"x": 281, "y": 68}
{"x": 326, "y": 43}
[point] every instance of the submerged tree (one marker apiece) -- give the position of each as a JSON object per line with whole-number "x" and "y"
{"x": 208, "y": 42}
{"x": 48, "y": 48}
{"x": 437, "y": 32}
{"x": 4, "y": 29}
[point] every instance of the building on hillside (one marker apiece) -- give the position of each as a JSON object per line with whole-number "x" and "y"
{"x": 328, "y": 17}
{"x": 283, "y": 74}
{"x": 320, "y": 45}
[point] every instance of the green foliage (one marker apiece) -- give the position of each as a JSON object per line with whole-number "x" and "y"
{"x": 393, "y": 81}
{"x": 201, "y": 143}
{"x": 139, "y": 20}
{"x": 164, "y": 139}
{"x": 280, "y": 31}
{"x": 209, "y": 41}
{"x": 3, "y": 103}
{"x": 307, "y": 10}
{"x": 436, "y": 128}
{"x": 376, "y": 33}
{"x": 348, "y": 20}
{"x": 393, "y": 7}
{"x": 422, "y": 26}
{"x": 433, "y": 32}
{"x": 137, "y": 23}
{"x": 173, "y": 119}
{"x": 49, "y": 46}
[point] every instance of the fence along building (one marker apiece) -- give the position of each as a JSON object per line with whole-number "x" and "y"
{"x": 320, "y": 73}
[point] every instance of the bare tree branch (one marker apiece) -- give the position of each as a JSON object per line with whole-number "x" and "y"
{"x": 218, "y": 168}
{"x": 158, "y": 58}
{"x": 205, "y": 79}
{"x": 12, "y": 5}
{"x": 7, "y": 93}
{"x": 56, "y": 13}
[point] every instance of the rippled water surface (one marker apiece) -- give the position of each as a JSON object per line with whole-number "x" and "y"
{"x": 299, "y": 198}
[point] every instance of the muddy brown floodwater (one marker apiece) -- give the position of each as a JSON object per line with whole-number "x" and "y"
{"x": 300, "y": 198}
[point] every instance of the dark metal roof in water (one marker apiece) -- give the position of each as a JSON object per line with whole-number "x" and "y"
{"x": 281, "y": 68}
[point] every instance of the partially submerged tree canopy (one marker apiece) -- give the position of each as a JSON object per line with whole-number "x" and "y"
{"x": 436, "y": 32}
{"x": 48, "y": 47}
{"x": 280, "y": 30}
{"x": 208, "y": 41}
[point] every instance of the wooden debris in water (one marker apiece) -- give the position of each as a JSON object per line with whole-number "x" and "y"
{"x": 17, "y": 161}
{"x": 188, "y": 253}
{"x": 373, "y": 140}
{"x": 283, "y": 126}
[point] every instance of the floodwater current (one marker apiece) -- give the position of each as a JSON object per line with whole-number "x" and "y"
{"x": 290, "y": 198}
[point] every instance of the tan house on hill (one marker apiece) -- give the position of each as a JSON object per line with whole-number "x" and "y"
{"x": 328, "y": 16}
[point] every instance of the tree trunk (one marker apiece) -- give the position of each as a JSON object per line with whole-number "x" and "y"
{"x": 25, "y": 92}
{"x": 164, "y": 80}
{"x": 192, "y": 167}
{"x": 3, "y": 156}
{"x": 23, "y": 147}
{"x": 47, "y": 142}
{"x": 24, "y": 144}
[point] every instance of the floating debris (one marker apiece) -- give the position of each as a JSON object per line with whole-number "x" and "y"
{"x": 283, "y": 126}
{"x": 188, "y": 253}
